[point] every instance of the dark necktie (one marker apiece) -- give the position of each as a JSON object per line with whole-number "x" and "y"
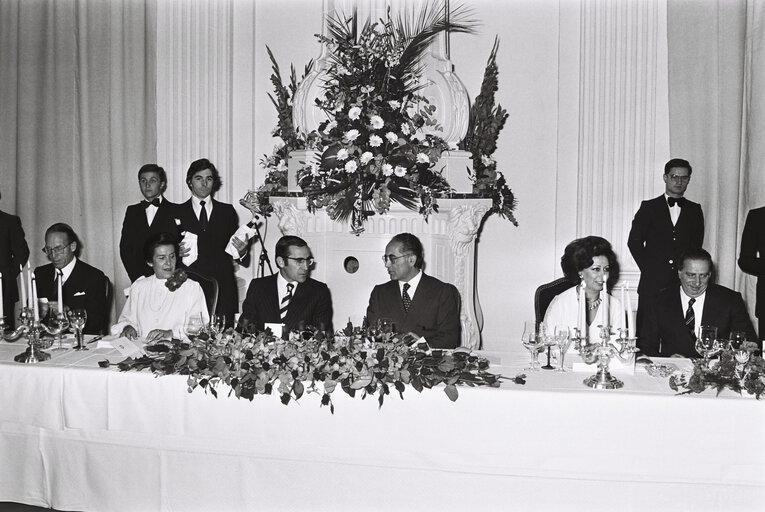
{"x": 286, "y": 302}
{"x": 679, "y": 201}
{"x": 690, "y": 319}
{"x": 203, "y": 217}
{"x": 406, "y": 298}
{"x": 154, "y": 202}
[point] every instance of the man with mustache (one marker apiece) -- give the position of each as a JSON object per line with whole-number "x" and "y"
{"x": 289, "y": 297}
{"x": 673, "y": 317}
{"x": 415, "y": 302}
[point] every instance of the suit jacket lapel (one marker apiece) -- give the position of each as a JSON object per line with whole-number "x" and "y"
{"x": 421, "y": 295}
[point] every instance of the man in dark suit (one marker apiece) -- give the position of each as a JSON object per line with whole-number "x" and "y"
{"x": 214, "y": 223}
{"x": 752, "y": 259}
{"x": 83, "y": 286}
{"x": 289, "y": 297}
{"x": 153, "y": 215}
{"x": 415, "y": 303}
{"x": 674, "y": 315}
{"x": 14, "y": 253}
{"x": 662, "y": 230}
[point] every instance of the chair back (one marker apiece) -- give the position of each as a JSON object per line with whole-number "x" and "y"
{"x": 108, "y": 291}
{"x": 209, "y": 288}
{"x": 545, "y": 294}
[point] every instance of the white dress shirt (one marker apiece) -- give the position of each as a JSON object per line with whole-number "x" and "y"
{"x": 698, "y": 307}
{"x": 674, "y": 211}
{"x": 195, "y": 203}
{"x": 413, "y": 282}
{"x": 281, "y": 287}
{"x": 66, "y": 271}
{"x": 151, "y": 211}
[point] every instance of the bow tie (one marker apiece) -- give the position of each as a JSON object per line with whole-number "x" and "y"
{"x": 155, "y": 202}
{"x": 679, "y": 201}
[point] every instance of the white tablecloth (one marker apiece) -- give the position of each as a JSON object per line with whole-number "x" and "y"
{"x": 77, "y": 437}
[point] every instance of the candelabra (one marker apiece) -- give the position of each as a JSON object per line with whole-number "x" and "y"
{"x": 622, "y": 347}
{"x": 33, "y": 330}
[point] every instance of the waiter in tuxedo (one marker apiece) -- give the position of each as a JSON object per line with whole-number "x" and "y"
{"x": 83, "y": 286}
{"x": 662, "y": 230}
{"x": 289, "y": 297}
{"x": 14, "y": 253}
{"x": 674, "y": 315}
{"x": 752, "y": 259}
{"x": 214, "y": 223}
{"x": 153, "y": 215}
{"x": 416, "y": 303}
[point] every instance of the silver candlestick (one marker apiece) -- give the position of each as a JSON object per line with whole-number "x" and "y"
{"x": 622, "y": 347}
{"x": 33, "y": 353}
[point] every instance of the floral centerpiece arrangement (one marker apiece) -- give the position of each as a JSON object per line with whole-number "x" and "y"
{"x": 357, "y": 361}
{"x": 737, "y": 369}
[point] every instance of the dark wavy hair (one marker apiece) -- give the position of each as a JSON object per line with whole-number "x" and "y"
{"x": 159, "y": 170}
{"x": 697, "y": 254}
{"x": 579, "y": 254}
{"x": 283, "y": 245}
{"x": 678, "y": 162}
{"x": 200, "y": 165}
{"x": 410, "y": 243}
{"x": 155, "y": 241}
{"x": 66, "y": 229}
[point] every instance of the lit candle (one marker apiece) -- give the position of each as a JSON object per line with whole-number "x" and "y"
{"x": 23, "y": 287}
{"x": 630, "y": 318}
{"x": 35, "y": 307}
{"x": 60, "y": 294}
{"x": 1, "y": 296}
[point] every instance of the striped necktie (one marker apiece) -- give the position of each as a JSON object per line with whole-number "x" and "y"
{"x": 690, "y": 319}
{"x": 406, "y": 298}
{"x": 286, "y": 301}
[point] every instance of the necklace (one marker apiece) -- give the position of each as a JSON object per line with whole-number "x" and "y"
{"x": 594, "y": 304}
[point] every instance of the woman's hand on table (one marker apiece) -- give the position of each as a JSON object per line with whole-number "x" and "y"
{"x": 129, "y": 332}
{"x": 156, "y": 335}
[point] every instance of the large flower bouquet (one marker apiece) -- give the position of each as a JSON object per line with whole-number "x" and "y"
{"x": 373, "y": 150}
{"x": 357, "y": 361}
{"x": 737, "y": 369}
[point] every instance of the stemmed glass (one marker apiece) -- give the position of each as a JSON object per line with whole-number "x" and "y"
{"x": 564, "y": 342}
{"x": 532, "y": 343}
{"x": 56, "y": 323}
{"x": 194, "y": 325}
{"x": 216, "y": 325}
{"x": 78, "y": 317}
{"x": 706, "y": 343}
{"x": 736, "y": 340}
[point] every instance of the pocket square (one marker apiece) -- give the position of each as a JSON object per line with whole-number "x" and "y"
{"x": 79, "y": 294}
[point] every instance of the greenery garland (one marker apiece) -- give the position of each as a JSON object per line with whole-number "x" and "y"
{"x": 737, "y": 369}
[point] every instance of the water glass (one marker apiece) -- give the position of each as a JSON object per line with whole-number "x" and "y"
{"x": 532, "y": 342}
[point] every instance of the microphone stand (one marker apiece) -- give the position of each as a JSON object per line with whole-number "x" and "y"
{"x": 263, "y": 261}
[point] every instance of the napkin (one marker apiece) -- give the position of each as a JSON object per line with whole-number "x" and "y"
{"x": 244, "y": 233}
{"x": 190, "y": 241}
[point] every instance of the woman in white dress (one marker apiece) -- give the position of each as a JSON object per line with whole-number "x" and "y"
{"x": 591, "y": 262}
{"x": 153, "y": 311}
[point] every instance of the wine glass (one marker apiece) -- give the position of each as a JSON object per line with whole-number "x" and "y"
{"x": 56, "y": 323}
{"x": 532, "y": 343}
{"x": 78, "y": 317}
{"x": 217, "y": 324}
{"x": 736, "y": 340}
{"x": 193, "y": 325}
{"x": 547, "y": 339}
{"x": 564, "y": 342}
{"x": 706, "y": 343}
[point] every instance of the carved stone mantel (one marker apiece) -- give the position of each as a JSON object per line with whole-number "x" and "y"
{"x": 448, "y": 238}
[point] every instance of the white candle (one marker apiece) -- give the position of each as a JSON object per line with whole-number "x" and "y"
{"x": 23, "y": 287}
{"x": 29, "y": 285}
{"x": 630, "y": 318}
{"x": 60, "y": 294}
{"x": 606, "y": 306}
{"x": 1, "y": 296}
{"x": 581, "y": 316}
{"x": 35, "y": 308}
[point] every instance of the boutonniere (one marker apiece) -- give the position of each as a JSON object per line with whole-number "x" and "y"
{"x": 176, "y": 280}
{"x": 177, "y": 221}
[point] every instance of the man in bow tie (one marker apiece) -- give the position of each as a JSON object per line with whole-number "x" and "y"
{"x": 290, "y": 297}
{"x": 83, "y": 286}
{"x": 153, "y": 215}
{"x": 663, "y": 229}
{"x": 673, "y": 317}
{"x": 413, "y": 301}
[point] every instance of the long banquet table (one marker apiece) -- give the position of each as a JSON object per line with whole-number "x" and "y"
{"x": 74, "y": 436}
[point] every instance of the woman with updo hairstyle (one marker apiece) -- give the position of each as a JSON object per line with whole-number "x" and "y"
{"x": 157, "y": 308}
{"x": 592, "y": 263}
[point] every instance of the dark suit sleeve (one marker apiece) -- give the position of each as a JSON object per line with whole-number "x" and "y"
{"x": 637, "y": 236}
{"x": 748, "y": 260}
{"x": 648, "y": 338}
{"x": 19, "y": 245}
{"x": 373, "y": 309}
{"x": 697, "y": 233}
{"x": 323, "y": 313}
{"x": 249, "y": 316}
{"x": 128, "y": 249}
{"x": 447, "y": 334}
{"x": 739, "y": 320}
{"x": 96, "y": 303}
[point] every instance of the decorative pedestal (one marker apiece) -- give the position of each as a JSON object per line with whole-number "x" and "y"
{"x": 448, "y": 238}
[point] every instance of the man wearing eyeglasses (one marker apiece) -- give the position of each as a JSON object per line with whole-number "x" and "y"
{"x": 415, "y": 302}
{"x": 674, "y": 316}
{"x": 290, "y": 297}
{"x": 83, "y": 286}
{"x": 663, "y": 229}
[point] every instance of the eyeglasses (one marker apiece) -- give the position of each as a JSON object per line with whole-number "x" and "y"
{"x": 308, "y": 262}
{"x": 679, "y": 179}
{"x": 55, "y": 250}
{"x": 388, "y": 258}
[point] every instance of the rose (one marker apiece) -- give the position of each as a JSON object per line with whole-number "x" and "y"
{"x": 351, "y": 166}
{"x": 392, "y": 137}
{"x": 387, "y": 169}
{"x": 366, "y": 156}
{"x": 351, "y": 135}
{"x": 342, "y": 154}
{"x": 376, "y": 122}
{"x": 400, "y": 171}
{"x": 422, "y": 158}
{"x": 375, "y": 141}
{"x": 354, "y": 113}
